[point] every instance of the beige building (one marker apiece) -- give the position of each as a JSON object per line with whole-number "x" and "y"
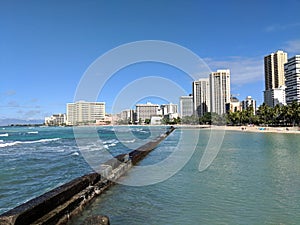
{"x": 145, "y": 111}
{"x": 55, "y": 120}
{"x": 219, "y": 91}
{"x": 234, "y": 105}
{"x": 83, "y": 112}
{"x": 274, "y": 74}
{"x": 274, "y": 69}
{"x": 201, "y": 96}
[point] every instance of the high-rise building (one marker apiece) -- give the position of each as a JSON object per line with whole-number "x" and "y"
{"x": 201, "y": 96}
{"x": 82, "y": 112}
{"x": 169, "y": 109}
{"x": 292, "y": 79}
{"x": 145, "y": 111}
{"x": 274, "y": 73}
{"x": 186, "y": 106}
{"x": 275, "y": 96}
{"x": 249, "y": 102}
{"x": 219, "y": 91}
{"x": 127, "y": 115}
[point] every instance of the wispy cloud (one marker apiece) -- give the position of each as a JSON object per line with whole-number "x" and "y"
{"x": 292, "y": 46}
{"x": 281, "y": 27}
{"x": 243, "y": 70}
{"x": 32, "y": 114}
{"x": 10, "y": 93}
{"x": 13, "y": 104}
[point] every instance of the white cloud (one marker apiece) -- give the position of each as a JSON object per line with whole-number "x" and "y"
{"x": 13, "y": 104}
{"x": 243, "y": 70}
{"x": 281, "y": 27}
{"x": 10, "y": 93}
{"x": 293, "y": 46}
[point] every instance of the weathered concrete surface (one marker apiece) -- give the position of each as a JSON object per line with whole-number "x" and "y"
{"x": 58, "y": 205}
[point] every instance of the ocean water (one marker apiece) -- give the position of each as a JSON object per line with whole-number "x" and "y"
{"x": 35, "y": 160}
{"x": 253, "y": 180}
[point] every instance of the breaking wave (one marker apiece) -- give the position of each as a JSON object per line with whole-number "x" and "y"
{"x": 2, "y": 145}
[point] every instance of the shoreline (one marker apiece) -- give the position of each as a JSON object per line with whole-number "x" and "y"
{"x": 255, "y": 129}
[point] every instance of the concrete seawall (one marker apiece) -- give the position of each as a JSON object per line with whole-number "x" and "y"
{"x": 61, "y": 203}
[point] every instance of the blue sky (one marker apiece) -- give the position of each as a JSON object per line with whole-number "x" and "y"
{"x": 46, "y": 46}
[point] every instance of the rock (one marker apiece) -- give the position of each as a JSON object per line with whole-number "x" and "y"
{"x": 96, "y": 220}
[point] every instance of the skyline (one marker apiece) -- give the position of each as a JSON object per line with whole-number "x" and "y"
{"x": 47, "y": 47}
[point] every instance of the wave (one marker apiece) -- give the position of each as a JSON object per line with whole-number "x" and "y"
{"x": 4, "y": 135}
{"x": 112, "y": 141}
{"x": 32, "y": 132}
{"x": 129, "y": 141}
{"x": 2, "y": 145}
{"x": 75, "y": 154}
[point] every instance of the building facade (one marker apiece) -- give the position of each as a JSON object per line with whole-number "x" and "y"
{"x": 145, "y": 111}
{"x": 275, "y": 96}
{"x": 234, "y": 105}
{"x": 83, "y": 112}
{"x": 169, "y": 109}
{"x": 186, "y": 106}
{"x": 56, "y": 120}
{"x": 219, "y": 91}
{"x": 127, "y": 116}
{"x": 274, "y": 73}
{"x": 249, "y": 102}
{"x": 201, "y": 96}
{"x": 292, "y": 79}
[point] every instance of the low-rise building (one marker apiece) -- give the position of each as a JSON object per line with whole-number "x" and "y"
{"x": 249, "y": 102}
{"x": 56, "y": 120}
{"x": 234, "y": 105}
{"x": 145, "y": 111}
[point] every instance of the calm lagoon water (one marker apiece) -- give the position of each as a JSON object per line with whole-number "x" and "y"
{"x": 253, "y": 180}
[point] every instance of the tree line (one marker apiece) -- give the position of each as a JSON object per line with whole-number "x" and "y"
{"x": 280, "y": 115}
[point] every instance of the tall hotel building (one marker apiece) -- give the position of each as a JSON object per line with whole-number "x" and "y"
{"x": 292, "y": 79}
{"x": 85, "y": 112}
{"x": 274, "y": 77}
{"x": 186, "y": 106}
{"x": 219, "y": 91}
{"x": 201, "y": 96}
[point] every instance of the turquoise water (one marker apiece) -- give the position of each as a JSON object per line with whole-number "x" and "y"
{"x": 35, "y": 160}
{"x": 253, "y": 180}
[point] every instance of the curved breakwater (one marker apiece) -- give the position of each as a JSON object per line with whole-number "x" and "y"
{"x": 61, "y": 203}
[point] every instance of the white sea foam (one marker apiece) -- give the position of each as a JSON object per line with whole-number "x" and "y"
{"x": 112, "y": 141}
{"x": 2, "y": 145}
{"x": 129, "y": 141}
{"x": 32, "y": 132}
{"x": 75, "y": 154}
{"x": 4, "y": 135}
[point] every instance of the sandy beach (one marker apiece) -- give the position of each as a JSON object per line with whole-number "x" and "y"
{"x": 258, "y": 129}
